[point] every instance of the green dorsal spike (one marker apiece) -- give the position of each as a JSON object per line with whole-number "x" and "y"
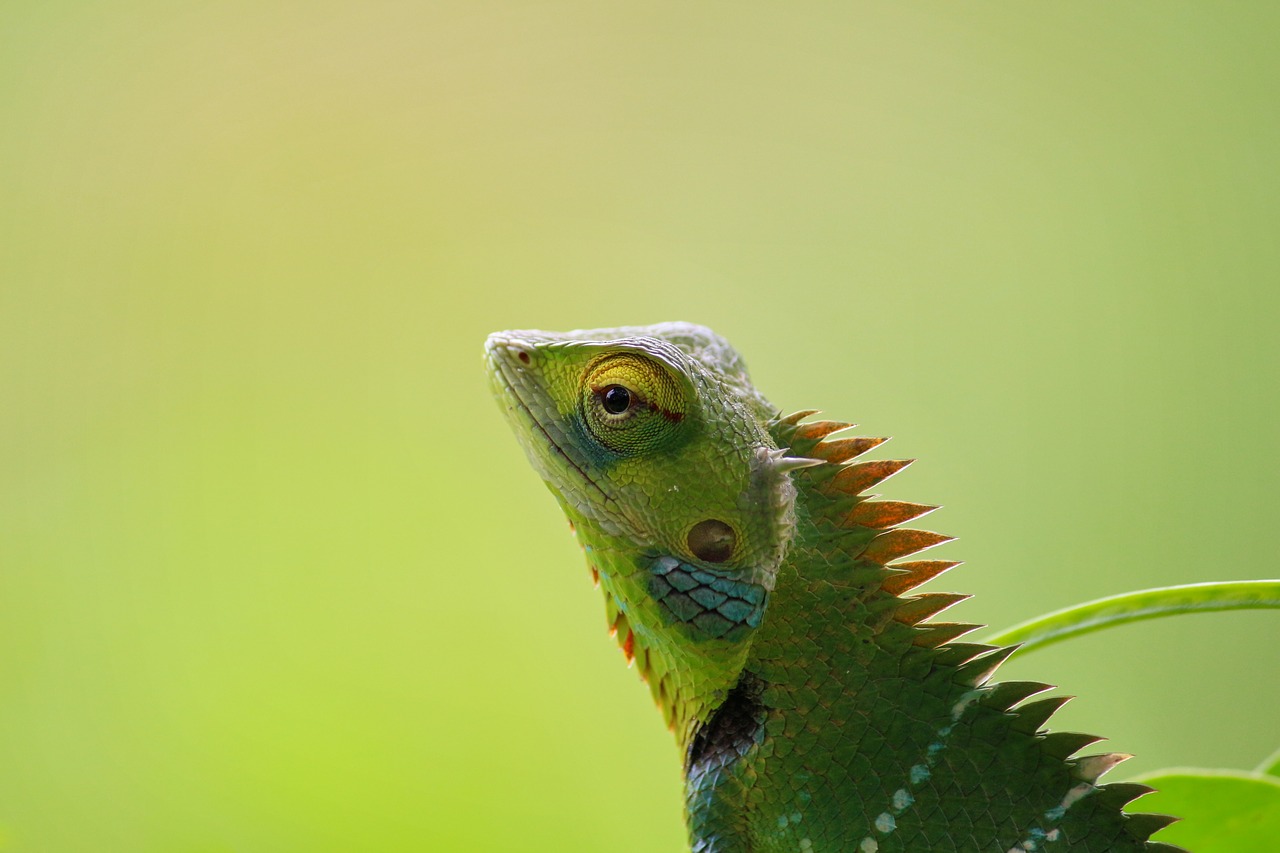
{"x": 1162, "y": 847}
{"x": 1142, "y": 825}
{"x": 976, "y": 672}
{"x": 1006, "y": 694}
{"x": 955, "y": 654}
{"x": 1063, "y": 745}
{"x": 921, "y": 607}
{"x": 1030, "y": 717}
{"x": 935, "y": 634}
{"x": 1117, "y": 794}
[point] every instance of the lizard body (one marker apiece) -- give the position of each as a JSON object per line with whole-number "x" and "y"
{"x": 764, "y": 598}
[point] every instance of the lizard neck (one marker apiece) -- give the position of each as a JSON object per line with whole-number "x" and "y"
{"x": 689, "y": 670}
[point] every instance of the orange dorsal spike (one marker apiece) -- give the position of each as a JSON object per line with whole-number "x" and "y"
{"x": 900, "y": 542}
{"x": 915, "y": 574}
{"x": 860, "y": 476}
{"x": 882, "y": 514}
{"x": 844, "y": 449}
{"x": 819, "y": 430}
{"x": 796, "y": 417}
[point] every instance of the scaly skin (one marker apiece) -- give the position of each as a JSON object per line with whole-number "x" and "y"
{"x": 755, "y": 585}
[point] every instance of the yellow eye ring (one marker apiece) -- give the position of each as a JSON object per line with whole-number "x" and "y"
{"x": 630, "y": 403}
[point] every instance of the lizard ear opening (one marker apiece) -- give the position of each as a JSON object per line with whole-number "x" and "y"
{"x": 712, "y": 540}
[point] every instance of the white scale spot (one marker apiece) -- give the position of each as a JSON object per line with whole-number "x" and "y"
{"x": 1073, "y": 796}
{"x": 902, "y": 798}
{"x": 958, "y": 709}
{"x": 806, "y": 846}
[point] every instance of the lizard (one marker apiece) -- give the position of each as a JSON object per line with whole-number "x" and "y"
{"x": 762, "y": 594}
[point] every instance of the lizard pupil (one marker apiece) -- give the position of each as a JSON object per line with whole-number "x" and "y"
{"x": 616, "y": 399}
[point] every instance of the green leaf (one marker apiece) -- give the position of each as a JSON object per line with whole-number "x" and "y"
{"x": 1270, "y": 765}
{"x": 1134, "y": 606}
{"x": 1222, "y": 811}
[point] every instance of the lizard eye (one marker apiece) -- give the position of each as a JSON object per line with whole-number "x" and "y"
{"x": 615, "y": 399}
{"x": 631, "y": 404}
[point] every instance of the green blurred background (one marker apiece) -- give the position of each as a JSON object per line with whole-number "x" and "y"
{"x": 275, "y": 577}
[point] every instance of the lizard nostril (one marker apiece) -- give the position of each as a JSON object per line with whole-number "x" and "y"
{"x": 523, "y": 356}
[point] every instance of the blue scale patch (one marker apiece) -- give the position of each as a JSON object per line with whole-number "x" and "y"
{"x": 711, "y": 604}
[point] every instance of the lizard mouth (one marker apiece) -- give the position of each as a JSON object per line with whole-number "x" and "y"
{"x": 509, "y": 387}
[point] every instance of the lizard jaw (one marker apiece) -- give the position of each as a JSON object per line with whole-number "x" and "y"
{"x": 511, "y": 364}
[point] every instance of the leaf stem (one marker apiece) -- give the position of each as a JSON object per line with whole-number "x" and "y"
{"x": 1135, "y": 606}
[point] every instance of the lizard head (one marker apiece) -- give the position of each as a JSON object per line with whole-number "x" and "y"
{"x": 656, "y": 445}
{"x": 650, "y": 435}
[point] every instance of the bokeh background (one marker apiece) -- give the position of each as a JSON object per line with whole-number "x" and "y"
{"x": 273, "y": 574}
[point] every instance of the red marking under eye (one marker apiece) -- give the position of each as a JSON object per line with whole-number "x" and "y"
{"x": 674, "y": 417}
